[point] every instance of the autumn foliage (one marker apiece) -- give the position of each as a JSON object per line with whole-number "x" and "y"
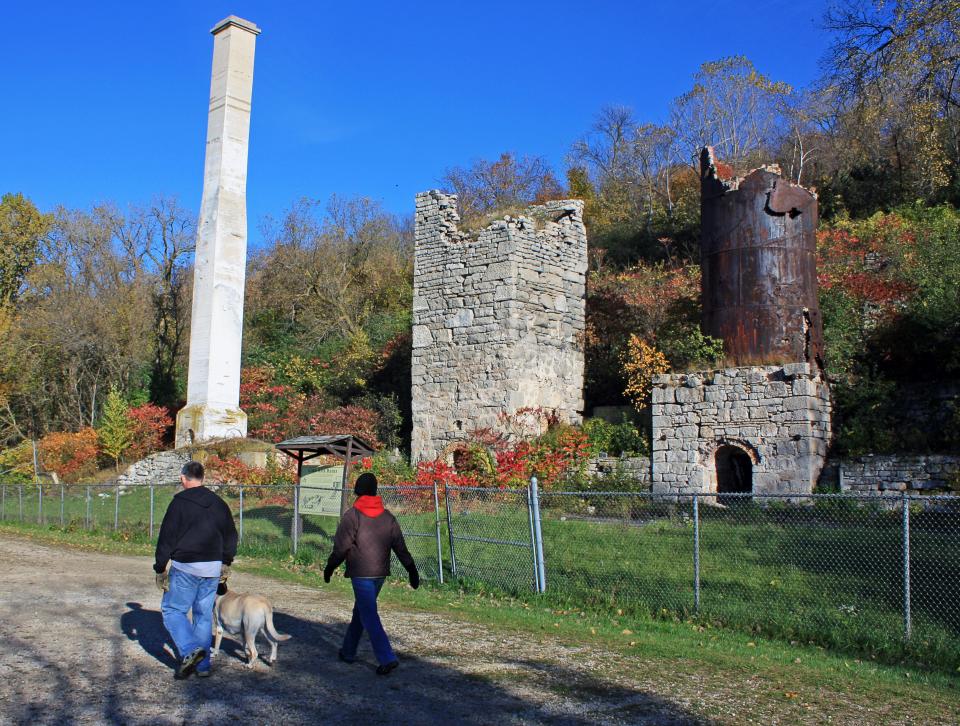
{"x": 642, "y": 361}
{"x": 149, "y": 425}
{"x": 71, "y": 455}
{"x": 278, "y": 411}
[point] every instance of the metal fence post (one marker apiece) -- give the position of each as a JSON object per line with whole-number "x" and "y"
{"x": 293, "y": 525}
{"x": 240, "y": 533}
{"x": 453, "y": 551}
{"x": 87, "y": 519}
{"x": 541, "y": 567}
{"x": 151, "y": 512}
{"x": 20, "y": 497}
{"x": 61, "y": 505}
{"x": 906, "y": 567}
{"x": 3, "y": 503}
{"x": 116, "y": 509}
{"x": 436, "y": 522}
{"x": 39, "y": 503}
{"x": 696, "y": 554}
{"x": 533, "y": 543}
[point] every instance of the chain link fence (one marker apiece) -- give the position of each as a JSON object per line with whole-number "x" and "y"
{"x": 878, "y": 575}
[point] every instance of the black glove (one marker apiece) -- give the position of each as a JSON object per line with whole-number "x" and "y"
{"x": 327, "y": 572}
{"x": 414, "y": 578}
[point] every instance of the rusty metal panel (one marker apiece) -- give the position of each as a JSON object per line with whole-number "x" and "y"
{"x": 758, "y": 258}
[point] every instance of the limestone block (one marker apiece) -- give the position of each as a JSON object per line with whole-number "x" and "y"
{"x": 689, "y": 395}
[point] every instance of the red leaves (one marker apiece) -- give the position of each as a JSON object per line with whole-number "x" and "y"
{"x": 356, "y": 420}
{"x": 865, "y": 259}
{"x": 277, "y": 412}
{"x": 552, "y": 458}
{"x": 149, "y": 427}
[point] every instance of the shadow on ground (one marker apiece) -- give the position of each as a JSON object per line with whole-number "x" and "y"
{"x": 308, "y": 684}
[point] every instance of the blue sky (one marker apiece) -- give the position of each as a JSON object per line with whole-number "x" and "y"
{"x": 106, "y": 101}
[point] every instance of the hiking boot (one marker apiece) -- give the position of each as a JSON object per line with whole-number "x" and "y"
{"x": 204, "y": 674}
{"x": 385, "y": 669}
{"x": 342, "y": 657}
{"x": 189, "y": 664}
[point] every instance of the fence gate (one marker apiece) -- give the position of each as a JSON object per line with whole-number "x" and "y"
{"x": 492, "y": 539}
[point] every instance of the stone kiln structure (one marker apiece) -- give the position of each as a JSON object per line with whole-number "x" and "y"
{"x": 762, "y": 429}
{"x": 764, "y": 426}
{"x": 498, "y": 318}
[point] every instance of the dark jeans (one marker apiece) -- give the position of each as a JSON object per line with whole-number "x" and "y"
{"x": 365, "y": 617}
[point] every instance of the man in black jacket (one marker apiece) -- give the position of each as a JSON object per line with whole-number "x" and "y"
{"x": 199, "y": 540}
{"x": 365, "y": 537}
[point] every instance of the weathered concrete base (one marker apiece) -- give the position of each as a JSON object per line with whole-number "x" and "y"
{"x": 779, "y": 416}
{"x": 203, "y": 422}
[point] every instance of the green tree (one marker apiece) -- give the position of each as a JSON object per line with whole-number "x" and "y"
{"x": 116, "y": 429}
{"x": 22, "y": 228}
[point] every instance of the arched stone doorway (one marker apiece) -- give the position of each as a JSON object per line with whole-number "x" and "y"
{"x": 734, "y": 473}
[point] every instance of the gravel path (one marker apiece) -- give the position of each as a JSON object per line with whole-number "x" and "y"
{"x": 83, "y": 643}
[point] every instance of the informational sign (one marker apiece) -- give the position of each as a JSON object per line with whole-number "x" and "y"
{"x": 320, "y": 489}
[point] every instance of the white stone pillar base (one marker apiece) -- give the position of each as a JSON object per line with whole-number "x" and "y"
{"x": 203, "y": 422}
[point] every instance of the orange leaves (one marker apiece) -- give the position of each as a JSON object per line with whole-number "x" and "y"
{"x": 641, "y": 362}
{"x": 71, "y": 455}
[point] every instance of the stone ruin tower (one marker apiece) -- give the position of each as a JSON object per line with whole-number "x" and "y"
{"x": 498, "y": 319}
{"x": 762, "y": 425}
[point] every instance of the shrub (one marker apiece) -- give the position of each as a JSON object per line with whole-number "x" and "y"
{"x": 389, "y": 470}
{"x": 615, "y": 439}
{"x": 598, "y": 432}
{"x": 355, "y": 420}
{"x": 626, "y": 440}
{"x": 233, "y": 471}
{"x": 149, "y": 426}
{"x": 16, "y": 464}
{"x": 71, "y": 456}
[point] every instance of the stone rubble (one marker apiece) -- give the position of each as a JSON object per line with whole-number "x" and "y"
{"x": 158, "y": 469}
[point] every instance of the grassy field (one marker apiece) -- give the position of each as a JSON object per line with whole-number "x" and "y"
{"x": 829, "y": 576}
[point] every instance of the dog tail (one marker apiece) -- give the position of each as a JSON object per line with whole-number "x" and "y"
{"x": 272, "y": 631}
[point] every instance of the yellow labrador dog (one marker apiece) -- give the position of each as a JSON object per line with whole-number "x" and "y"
{"x": 246, "y": 615}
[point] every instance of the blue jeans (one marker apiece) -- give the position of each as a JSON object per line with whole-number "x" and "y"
{"x": 189, "y": 592}
{"x": 365, "y": 617}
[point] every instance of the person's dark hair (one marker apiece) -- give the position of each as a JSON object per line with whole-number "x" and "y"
{"x": 366, "y": 485}
{"x": 193, "y": 470}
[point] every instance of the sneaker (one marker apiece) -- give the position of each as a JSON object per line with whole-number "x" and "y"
{"x": 341, "y": 656}
{"x": 385, "y": 669}
{"x": 189, "y": 664}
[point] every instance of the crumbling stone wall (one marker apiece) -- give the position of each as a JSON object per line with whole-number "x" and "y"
{"x": 875, "y": 474}
{"x": 158, "y": 469}
{"x": 778, "y": 415}
{"x": 635, "y": 468}
{"x": 498, "y": 318}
